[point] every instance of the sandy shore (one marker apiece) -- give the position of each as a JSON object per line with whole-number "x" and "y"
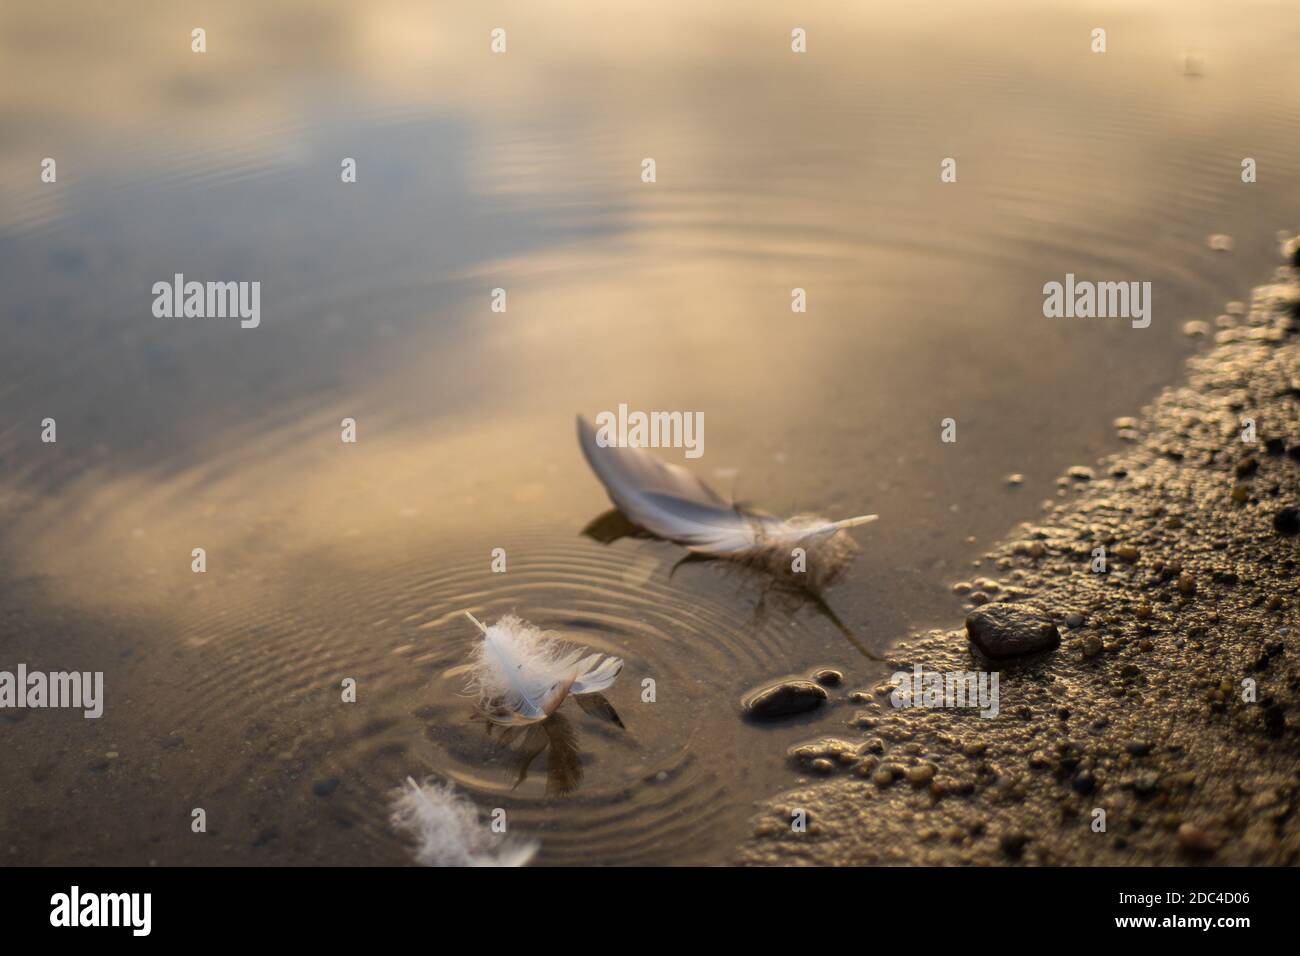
{"x": 1143, "y": 711}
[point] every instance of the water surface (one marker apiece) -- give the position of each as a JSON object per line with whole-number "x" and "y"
{"x": 522, "y": 171}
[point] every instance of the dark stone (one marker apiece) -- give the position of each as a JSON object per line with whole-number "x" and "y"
{"x": 1138, "y": 748}
{"x": 1247, "y": 466}
{"x": 828, "y": 677}
{"x": 1011, "y": 630}
{"x": 1287, "y": 520}
{"x": 323, "y": 788}
{"x": 784, "y": 699}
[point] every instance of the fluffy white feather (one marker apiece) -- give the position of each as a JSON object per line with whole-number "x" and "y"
{"x": 671, "y": 503}
{"x": 522, "y": 674}
{"x": 447, "y": 832}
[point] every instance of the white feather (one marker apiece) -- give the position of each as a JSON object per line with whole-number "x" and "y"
{"x": 522, "y": 674}
{"x": 671, "y": 503}
{"x": 446, "y": 829}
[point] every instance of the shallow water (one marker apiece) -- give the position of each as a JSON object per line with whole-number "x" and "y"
{"x": 522, "y": 171}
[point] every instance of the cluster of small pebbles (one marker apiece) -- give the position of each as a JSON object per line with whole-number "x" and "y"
{"x": 1149, "y": 713}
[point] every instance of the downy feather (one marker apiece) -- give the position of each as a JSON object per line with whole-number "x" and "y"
{"x": 522, "y": 674}
{"x": 447, "y": 832}
{"x": 671, "y": 503}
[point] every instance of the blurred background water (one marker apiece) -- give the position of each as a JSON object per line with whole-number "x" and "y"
{"x": 522, "y": 171}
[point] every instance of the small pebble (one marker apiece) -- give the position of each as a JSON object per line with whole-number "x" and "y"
{"x": 1287, "y": 520}
{"x": 1011, "y": 630}
{"x": 828, "y": 677}
{"x": 784, "y": 699}
{"x": 1191, "y": 837}
{"x": 920, "y": 775}
{"x": 1146, "y": 784}
{"x": 1127, "y": 553}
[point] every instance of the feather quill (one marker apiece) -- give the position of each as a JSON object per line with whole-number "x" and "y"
{"x": 671, "y": 503}
{"x": 446, "y": 829}
{"x": 521, "y": 674}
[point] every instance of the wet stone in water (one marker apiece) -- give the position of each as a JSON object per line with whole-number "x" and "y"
{"x": 784, "y": 699}
{"x": 1011, "y": 630}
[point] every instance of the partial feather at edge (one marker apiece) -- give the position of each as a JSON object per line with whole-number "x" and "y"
{"x": 446, "y": 829}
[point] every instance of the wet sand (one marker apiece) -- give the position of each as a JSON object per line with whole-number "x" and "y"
{"x": 1140, "y": 711}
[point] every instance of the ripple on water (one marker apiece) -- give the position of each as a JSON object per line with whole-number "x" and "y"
{"x": 662, "y": 790}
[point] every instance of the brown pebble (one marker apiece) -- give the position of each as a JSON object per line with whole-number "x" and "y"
{"x": 1191, "y": 837}
{"x": 920, "y": 775}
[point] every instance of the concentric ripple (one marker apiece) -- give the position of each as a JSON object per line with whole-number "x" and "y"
{"x": 661, "y": 790}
